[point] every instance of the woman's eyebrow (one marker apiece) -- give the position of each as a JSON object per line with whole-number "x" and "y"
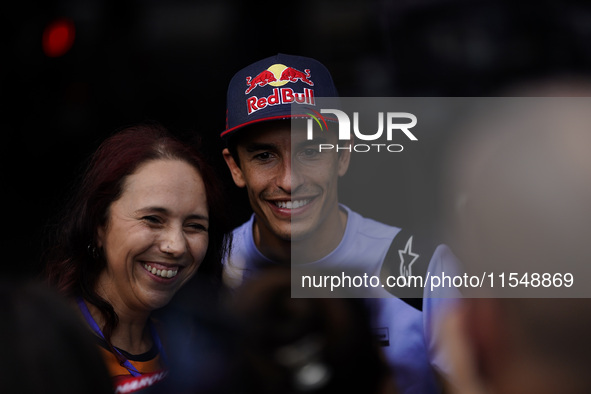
{"x": 166, "y": 211}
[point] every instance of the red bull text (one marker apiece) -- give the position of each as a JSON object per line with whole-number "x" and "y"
{"x": 280, "y": 96}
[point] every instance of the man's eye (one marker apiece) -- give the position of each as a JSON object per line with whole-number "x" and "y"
{"x": 309, "y": 153}
{"x": 263, "y": 156}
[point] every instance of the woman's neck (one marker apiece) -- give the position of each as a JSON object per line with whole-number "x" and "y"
{"x": 132, "y": 332}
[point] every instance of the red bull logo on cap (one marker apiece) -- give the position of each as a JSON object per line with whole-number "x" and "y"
{"x": 279, "y": 75}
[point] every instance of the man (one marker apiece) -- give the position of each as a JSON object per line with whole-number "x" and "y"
{"x": 292, "y": 189}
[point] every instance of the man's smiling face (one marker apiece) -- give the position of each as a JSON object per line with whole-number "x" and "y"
{"x": 292, "y": 186}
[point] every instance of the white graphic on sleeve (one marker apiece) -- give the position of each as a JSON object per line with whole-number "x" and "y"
{"x": 407, "y": 262}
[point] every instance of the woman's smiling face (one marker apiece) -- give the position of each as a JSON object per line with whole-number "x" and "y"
{"x": 155, "y": 237}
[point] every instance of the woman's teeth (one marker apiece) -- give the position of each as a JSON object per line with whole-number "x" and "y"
{"x": 291, "y": 204}
{"x": 161, "y": 273}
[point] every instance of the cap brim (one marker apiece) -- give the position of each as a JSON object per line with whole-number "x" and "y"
{"x": 227, "y": 132}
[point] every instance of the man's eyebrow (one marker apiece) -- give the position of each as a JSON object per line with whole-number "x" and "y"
{"x": 257, "y": 146}
{"x": 313, "y": 142}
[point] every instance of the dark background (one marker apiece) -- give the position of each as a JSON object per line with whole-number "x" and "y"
{"x": 171, "y": 61}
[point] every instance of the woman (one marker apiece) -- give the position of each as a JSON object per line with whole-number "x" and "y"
{"x": 145, "y": 219}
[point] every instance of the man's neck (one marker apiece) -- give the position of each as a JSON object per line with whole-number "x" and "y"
{"x": 312, "y": 248}
{"x": 272, "y": 247}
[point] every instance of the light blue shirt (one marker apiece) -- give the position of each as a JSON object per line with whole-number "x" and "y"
{"x": 409, "y": 335}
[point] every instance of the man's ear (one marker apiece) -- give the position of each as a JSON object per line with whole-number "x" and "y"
{"x": 235, "y": 170}
{"x": 344, "y": 159}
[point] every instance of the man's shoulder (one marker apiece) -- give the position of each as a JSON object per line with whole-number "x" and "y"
{"x": 370, "y": 228}
{"x": 241, "y": 252}
{"x": 243, "y": 230}
{"x": 363, "y": 246}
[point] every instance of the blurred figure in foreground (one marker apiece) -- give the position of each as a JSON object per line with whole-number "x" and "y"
{"x": 522, "y": 176}
{"x": 47, "y": 348}
{"x": 305, "y": 345}
{"x": 263, "y": 341}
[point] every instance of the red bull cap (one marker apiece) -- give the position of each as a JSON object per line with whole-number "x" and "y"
{"x": 266, "y": 90}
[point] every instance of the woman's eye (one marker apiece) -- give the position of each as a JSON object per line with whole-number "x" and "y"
{"x": 197, "y": 227}
{"x": 152, "y": 219}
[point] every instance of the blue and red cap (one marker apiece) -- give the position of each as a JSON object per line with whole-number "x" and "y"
{"x": 266, "y": 90}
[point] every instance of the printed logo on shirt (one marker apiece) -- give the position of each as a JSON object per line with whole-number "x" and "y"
{"x": 407, "y": 259}
{"x": 130, "y": 384}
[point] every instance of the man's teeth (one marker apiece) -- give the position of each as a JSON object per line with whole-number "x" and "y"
{"x": 292, "y": 204}
{"x": 161, "y": 273}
